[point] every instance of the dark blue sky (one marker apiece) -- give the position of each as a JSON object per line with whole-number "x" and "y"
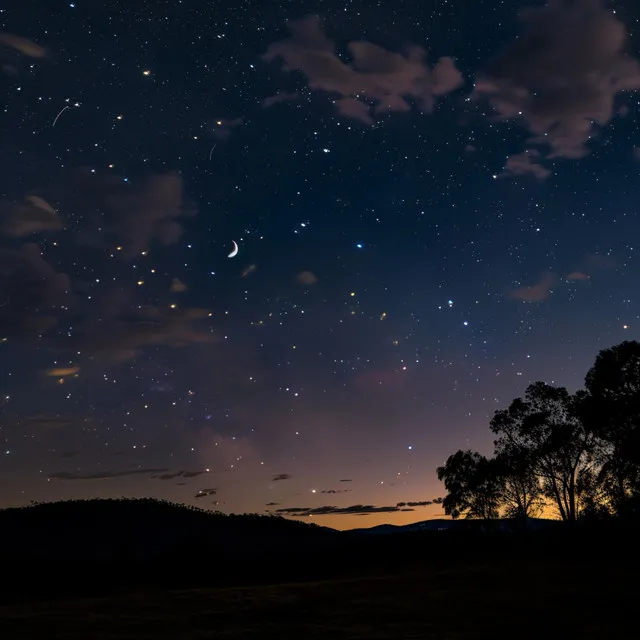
{"x": 421, "y": 235}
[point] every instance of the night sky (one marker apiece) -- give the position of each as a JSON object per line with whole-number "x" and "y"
{"x": 435, "y": 203}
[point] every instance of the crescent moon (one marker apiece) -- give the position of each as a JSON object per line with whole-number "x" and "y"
{"x": 235, "y": 250}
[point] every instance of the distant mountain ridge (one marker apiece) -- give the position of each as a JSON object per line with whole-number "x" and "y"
{"x": 443, "y": 524}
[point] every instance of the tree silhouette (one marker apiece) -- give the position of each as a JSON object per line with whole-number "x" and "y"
{"x": 580, "y": 452}
{"x": 611, "y": 410}
{"x": 522, "y": 493}
{"x": 543, "y": 435}
{"x": 474, "y": 487}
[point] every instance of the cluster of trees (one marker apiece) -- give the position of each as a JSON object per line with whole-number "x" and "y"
{"x": 578, "y": 453}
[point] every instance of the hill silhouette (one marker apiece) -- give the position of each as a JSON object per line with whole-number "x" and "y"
{"x": 148, "y": 568}
{"x": 85, "y": 547}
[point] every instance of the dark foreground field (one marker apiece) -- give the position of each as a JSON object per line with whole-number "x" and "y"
{"x": 144, "y": 570}
{"x": 494, "y": 598}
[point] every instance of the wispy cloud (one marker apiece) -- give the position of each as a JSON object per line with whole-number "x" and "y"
{"x": 307, "y": 278}
{"x": 203, "y": 493}
{"x": 526, "y": 163}
{"x": 103, "y": 475}
{"x": 279, "y": 98}
{"x": 537, "y": 292}
{"x": 180, "y": 474}
{"x": 281, "y": 476}
{"x": 577, "y": 275}
{"x": 23, "y": 45}
{"x": 62, "y": 372}
{"x": 356, "y": 509}
{"x": 29, "y": 216}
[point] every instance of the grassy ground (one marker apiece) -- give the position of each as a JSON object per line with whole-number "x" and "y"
{"x": 525, "y": 599}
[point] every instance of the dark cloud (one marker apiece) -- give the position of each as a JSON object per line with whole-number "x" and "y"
{"x": 65, "y": 455}
{"x": 279, "y": 98}
{"x": 34, "y": 292}
{"x": 281, "y": 476}
{"x": 307, "y": 278}
{"x": 111, "y": 218}
{"x": 223, "y": 128}
{"x": 125, "y": 337}
{"x": 561, "y": 76}
{"x": 31, "y": 215}
{"x": 39, "y": 423}
{"x": 103, "y": 475}
{"x": 601, "y": 261}
{"x": 374, "y": 82}
{"x": 127, "y": 216}
{"x": 537, "y": 292}
{"x": 424, "y": 503}
{"x": 356, "y": 509}
{"x": 346, "y": 480}
{"x": 335, "y": 491}
{"x": 203, "y": 493}
{"x": 177, "y": 286}
{"x": 272, "y": 504}
{"x": 180, "y": 474}
{"x": 526, "y": 164}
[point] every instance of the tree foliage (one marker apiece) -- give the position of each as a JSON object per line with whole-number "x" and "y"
{"x": 473, "y": 486}
{"x": 522, "y": 495}
{"x": 544, "y": 437}
{"x": 611, "y": 410}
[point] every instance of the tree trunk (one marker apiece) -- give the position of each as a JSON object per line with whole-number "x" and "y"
{"x": 572, "y": 497}
{"x": 559, "y": 501}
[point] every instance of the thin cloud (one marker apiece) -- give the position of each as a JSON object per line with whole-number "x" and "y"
{"x": 66, "y": 455}
{"x": 526, "y": 164}
{"x": 180, "y": 474}
{"x": 23, "y": 45}
{"x": 102, "y": 475}
{"x": 537, "y": 292}
{"x": 601, "y": 261}
{"x": 374, "y": 82}
{"x": 203, "y": 493}
{"x": 43, "y": 423}
{"x": 177, "y": 286}
{"x": 307, "y": 278}
{"x": 223, "y": 128}
{"x": 333, "y": 491}
{"x": 356, "y": 509}
{"x": 31, "y": 215}
{"x": 577, "y": 275}
{"x": 62, "y": 372}
{"x": 125, "y": 338}
{"x": 34, "y": 292}
{"x": 561, "y": 76}
{"x": 127, "y": 216}
{"x": 279, "y": 98}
